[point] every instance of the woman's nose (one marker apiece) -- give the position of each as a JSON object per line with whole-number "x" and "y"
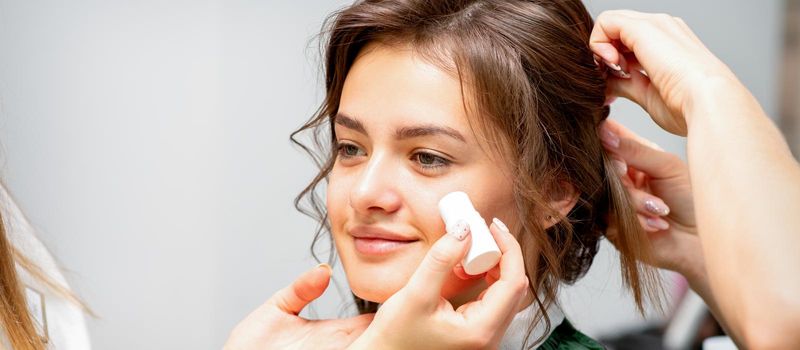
{"x": 375, "y": 191}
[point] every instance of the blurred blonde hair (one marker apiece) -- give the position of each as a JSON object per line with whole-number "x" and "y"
{"x": 15, "y": 319}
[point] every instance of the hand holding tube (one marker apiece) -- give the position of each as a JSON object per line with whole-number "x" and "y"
{"x": 418, "y": 317}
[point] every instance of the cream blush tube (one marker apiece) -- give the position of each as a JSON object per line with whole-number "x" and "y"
{"x": 484, "y": 253}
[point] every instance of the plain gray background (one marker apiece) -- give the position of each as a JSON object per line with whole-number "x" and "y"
{"x": 148, "y": 141}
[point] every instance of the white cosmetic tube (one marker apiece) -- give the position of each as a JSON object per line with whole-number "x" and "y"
{"x": 484, "y": 253}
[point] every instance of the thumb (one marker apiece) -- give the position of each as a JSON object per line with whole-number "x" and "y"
{"x": 641, "y": 91}
{"x": 305, "y": 289}
{"x": 438, "y": 264}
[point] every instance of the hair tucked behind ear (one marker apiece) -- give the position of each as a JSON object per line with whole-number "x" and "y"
{"x": 538, "y": 95}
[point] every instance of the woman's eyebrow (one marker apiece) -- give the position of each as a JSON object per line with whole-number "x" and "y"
{"x": 404, "y": 132}
{"x": 428, "y": 130}
{"x": 349, "y": 123}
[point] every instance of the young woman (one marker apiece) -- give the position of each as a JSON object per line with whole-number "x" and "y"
{"x": 499, "y": 99}
{"x": 502, "y": 99}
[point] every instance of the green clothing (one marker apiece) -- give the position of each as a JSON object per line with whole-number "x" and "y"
{"x": 566, "y": 337}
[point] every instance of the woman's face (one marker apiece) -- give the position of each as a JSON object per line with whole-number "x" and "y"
{"x": 404, "y": 142}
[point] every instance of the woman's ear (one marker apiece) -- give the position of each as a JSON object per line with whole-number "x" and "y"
{"x": 563, "y": 199}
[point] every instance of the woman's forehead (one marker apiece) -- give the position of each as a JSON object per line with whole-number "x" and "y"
{"x": 395, "y": 86}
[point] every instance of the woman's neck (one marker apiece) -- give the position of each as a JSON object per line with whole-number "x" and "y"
{"x": 472, "y": 293}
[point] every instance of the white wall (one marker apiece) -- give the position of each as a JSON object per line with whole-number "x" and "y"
{"x": 148, "y": 140}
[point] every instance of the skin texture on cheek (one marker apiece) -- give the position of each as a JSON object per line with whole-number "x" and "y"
{"x": 376, "y": 280}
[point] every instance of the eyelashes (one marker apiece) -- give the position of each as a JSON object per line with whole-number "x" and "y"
{"x": 348, "y": 150}
{"x": 430, "y": 160}
{"x": 427, "y": 162}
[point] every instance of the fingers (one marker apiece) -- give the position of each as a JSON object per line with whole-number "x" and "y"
{"x": 650, "y": 210}
{"x": 305, "y": 289}
{"x": 638, "y": 88}
{"x": 511, "y": 266}
{"x": 460, "y": 273}
{"x": 662, "y": 46}
{"x": 508, "y": 281}
{"x": 629, "y": 28}
{"x": 639, "y": 152}
{"x": 438, "y": 264}
{"x": 608, "y": 29}
{"x": 647, "y": 204}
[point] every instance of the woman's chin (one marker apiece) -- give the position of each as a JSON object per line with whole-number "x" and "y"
{"x": 375, "y": 296}
{"x": 376, "y": 289}
{"x": 377, "y": 279}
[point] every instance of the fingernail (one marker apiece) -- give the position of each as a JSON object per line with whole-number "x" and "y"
{"x": 656, "y": 206}
{"x": 460, "y": 230}
{"x": 326, "y": 266}
{"x": 621, "y": 74}
{"x": 609, "y": 138}
{"x": 620, "y": 167}
{"x": 501, "y": 225}
{"x": 613, "y": 66}
{"x": 617, "y": 70}
{"x": 657, "y": 223}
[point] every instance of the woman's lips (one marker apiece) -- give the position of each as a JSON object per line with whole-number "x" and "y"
{"x": 378, "y": 246}
{"x": 375, "y": 240}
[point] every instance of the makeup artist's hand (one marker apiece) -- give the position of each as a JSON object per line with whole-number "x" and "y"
{"x": 746, "y": 180}
{"x": 276, "y": 324}
{"x": 658, "y": 184}
{"x": 417, "y": 317}
{"x": 679, "y": 68}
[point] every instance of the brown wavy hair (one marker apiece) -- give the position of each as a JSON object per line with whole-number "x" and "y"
{"x": 538, "y": 93}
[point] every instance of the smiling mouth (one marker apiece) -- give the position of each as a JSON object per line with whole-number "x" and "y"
{"x": 379, "y": 246}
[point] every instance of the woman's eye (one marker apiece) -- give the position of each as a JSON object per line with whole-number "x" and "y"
{"x": 348, "y": 150}
{"x": 430, "y": 161}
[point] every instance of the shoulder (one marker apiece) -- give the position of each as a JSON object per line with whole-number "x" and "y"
{"x": 566, "y": 337}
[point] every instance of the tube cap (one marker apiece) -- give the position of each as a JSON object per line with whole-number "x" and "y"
{"x": 455, "y": 206}
{"x": 483, "y": 254}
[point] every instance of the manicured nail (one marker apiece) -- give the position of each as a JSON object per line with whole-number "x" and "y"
{"x": 621, "y": 74}
{"x": 656, "y": 206}
{"x": 620, "y": 167}
{"x": 326, "y": 266}
{"x": 613, "y": 66}
{"x": 609, "y": 138}
{"x": 617, "y": 70}
{"x": 501, "y": 225}
{"x": 460, "y": 230}
{"x": 597, "y": 59}
{"x": 657, "y": 224}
